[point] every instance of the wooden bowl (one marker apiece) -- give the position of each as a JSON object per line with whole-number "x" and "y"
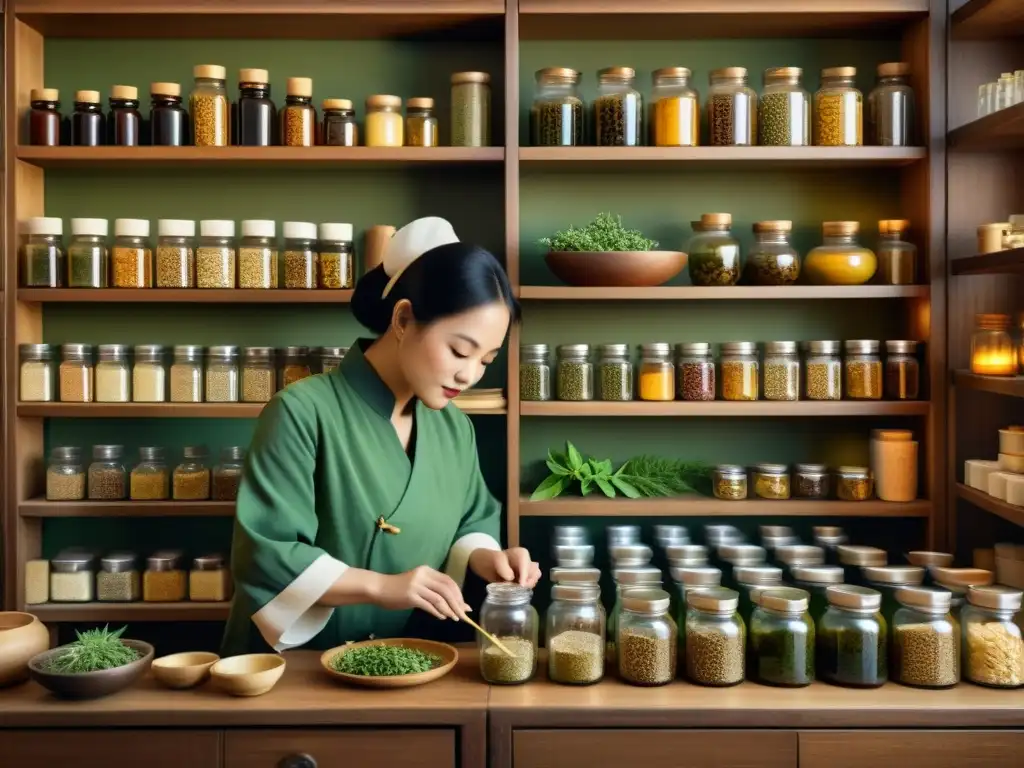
{"x": 91, "y": 685}
{"x": 625, "y": 269}
{"x": 252, "y": 674}
{"x": 184, "y": 670}
{"x": 448, "y": 655}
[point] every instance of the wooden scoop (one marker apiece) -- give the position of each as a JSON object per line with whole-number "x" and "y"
{"x": 488, "y": 635}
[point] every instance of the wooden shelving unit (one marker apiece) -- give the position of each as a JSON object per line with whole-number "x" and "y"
{"x": 1011, "y": 386}
{"x": 594, "y": 506}
{"x": 1000, "y": 130}
{"x": 991, "y": 504}
{"x": 44, "y": 508}
{"x": 734, "y": 293}
{"x": 100, "y": 612}
{"x": 180, "y": 296}
{"x": 1010, "y": 262}
{"x": 987, "y": 20}
{"x": 164, "y": 410}
{"x": 761, "y": 408}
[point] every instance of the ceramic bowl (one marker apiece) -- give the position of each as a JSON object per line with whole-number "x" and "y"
{"x": 91, "y": 685}
{"x": 250, "y": 675}
{"x": 448, "y": 655}
{"x": 625, "y": 269}
{"x": 22, "y": 636}
{"x": 184, "y": 670}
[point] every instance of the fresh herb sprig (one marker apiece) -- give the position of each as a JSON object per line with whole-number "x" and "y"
{"x": 638, "y": 478}
{"x": 94, "y": 650}
{"x": 605, "y": 233}
{"x": 383, "y": 661}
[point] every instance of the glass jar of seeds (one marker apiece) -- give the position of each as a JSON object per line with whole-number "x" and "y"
{"x": 210, "y": 580}
{"x": 298, "y": 117}
{"x": 471, "y": 109}
{"x": 614, "y": 372}
{"x": 108, "y": 480}
{"x": 629, "y": 572}
{"x": 731, "y": 108}
{"x": 823, "y": 371}
{"x": 715, "y": 638}
{"x": 781, "y": 371}
{"x": 37, "y": 373}
{"x": 228, "y": 474}
{"x": 259, "y": 379}
{"x": 118, "y": 579}
{"x": 88, "y": 256}
{"x": 149, "y": 375}
{"x": 887, "y": 580}
{"x": 175, "y": 253}
{"x": 65, "y": 474}
{"x": 784, "y": 109}
{"x": 714, "y": 253}
{"x": 890, "y": 107}
{"x": 336, "y": 257}
{"x": 695, "y": 371}
{"x": 187, "y": 374}
{"x": 771, "y": 481}
{"x": 76, "y": 374}
{"x": 331, "y": 357}
{"x": 854, "y": 484}
{"x": 815, "y": 581}
{"x": 534, "y": 372}
{"x": 257, "y": 254}
{"x": 657, "y": 376}
{"x": 150, "y": 479}
{"x": 772, "y": 260}
{"x": 646, "y": 638}
{"x": 897, "y": 257}
{"x": 164, "y": 580}
{"x": 509, "y": 616}
{"x": 863, "y": 370}
{"x": 729, "y": 482}
{"x": 72, "y": 577}
{"x": 42, "y": 257}
{"x": 852, "y": 639}
{"x": 925, "y": 645}
{"x": 618, "y": 109}
{"x": 902, "y": 371}
{"x": 575, "y": 635}
{"x": 838, "y": 118}
{"x": 993, "y": 651}
{"x": 675, "y": 109}
{"x": 222, "y": 374}
{"x": 575, "y": 376}
{"x": 739, "y": 369}
{"x": 556, "y": 115}
{"x": 811, "y": 481}
{"x": 299, "y": 254}
{"x": 420, "y": 122}
{"x": 208, "y": 105}
{"x": 294, "y": 365}
{"x": 338, "y": 125}
{"x": 131, "y": 259}
{"x": 780, "y": 643}
{"x": 216, "y": 256}
{"x": 191, "y": 479}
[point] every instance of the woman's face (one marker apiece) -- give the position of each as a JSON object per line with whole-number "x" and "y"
{"x": 443, "y": 358}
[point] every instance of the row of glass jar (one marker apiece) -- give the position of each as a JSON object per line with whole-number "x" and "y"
{"x": 715, "y": 256}
{"x": 211, "y": 120}
{"x": 114, "y": 379}
{"x": 312, "y": 257}
{"x": 734, "y": 113}
{"x": 823, "y": 375}
{"x": 1005, "y": 92}
{"x": 807, "y": 481}
{"x": 107, "y": 478}
{"x": 73, "y": 577}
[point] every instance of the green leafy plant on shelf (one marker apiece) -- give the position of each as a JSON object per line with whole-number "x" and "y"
{"x": 637, "y": 478}
{"x": 93, "y": 651}
{"x": 605, "y": 233}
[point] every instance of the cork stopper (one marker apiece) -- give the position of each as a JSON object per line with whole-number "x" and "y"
{"x": 420, "y": 102}
{"x": 300, "y": 86}
{"x": 671, "y": 73}
{"x": 212, "y": 71}
{"x": 165, "y": 89}
{"x": 557, "y": 75}
{"x": 783, "y": 73}
{"x": 992, "y": 322}
{"x": 839, "y": 72}
{"x": 893, "y": 226}
{"x": 773, "y": 226}
{"x": 383, "y": 100}
{"x": 253, "y": 76}
{"x": 470, "y": 77}
{"x": 129, "y": 92}
{"x": 336, "y": 104}
{"x": 45, "y": 94}
{"x": 716, "y": 220}
{"x": 893, "y": 69}
{"x": 730, "y": 72}
{"x": 616, "y": 74}
{"x": 833, "y": 228}
{"x": 87, "y": 97}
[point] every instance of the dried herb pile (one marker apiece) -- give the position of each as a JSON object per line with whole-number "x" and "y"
{"x": 605, "y": 233}
{"x": 383, "y": 661}
{"x": 93, "y": 651}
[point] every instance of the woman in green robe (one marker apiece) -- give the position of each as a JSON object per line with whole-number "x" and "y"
{"x": 362, "y": 498}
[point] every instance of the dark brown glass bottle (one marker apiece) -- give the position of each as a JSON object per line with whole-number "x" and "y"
{"x": 44, "y": 121}
{"x": 87, "y": 120}
{"x": 124, "y": 121}
{"x": 255, "y": 118}
{"x": 168, "y": 120}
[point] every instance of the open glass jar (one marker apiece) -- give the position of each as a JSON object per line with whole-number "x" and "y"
{"x": 556, "y": 115}
{"x": 772, "y": 259}
{"x": 714, "y": 253}
{"x": 508, "y": 615}
{"x": 575, "y": 634}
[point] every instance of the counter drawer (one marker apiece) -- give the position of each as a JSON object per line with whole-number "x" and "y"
{"x": 899, "y": 749}
{"x": 111, "y": 748}
{"x": 335, "y": 748}
{"x": 597, "y": 748}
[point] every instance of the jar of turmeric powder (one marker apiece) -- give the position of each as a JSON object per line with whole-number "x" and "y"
{"x": 657, "y": 373}
{"x": 164, "y": 580}
{"x": 209, "y": 581}
{"x": 676, "y": 108}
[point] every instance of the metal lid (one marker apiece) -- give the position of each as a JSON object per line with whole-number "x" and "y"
{"x": 783, "y": 599}
{"x": 151, "y": 453}
{"x": 573, "y": 554}
{"x": 742, "y": 554}
{"x": 854, "y": 473}
{"x": 817, "y": 574}
{"x": 232, "y": 453}
{"x": 40, "y": 352}
{"x": 739, "y": 348}
{"x": 780, "y": 348}
{"x": 693, "y": 348}
{"x": 995, "y": 598}
{"x": 811, "y": 469}
{"x": 959, "y": 579}
{"x": 774, "y": 542}
{"x": 575, "y": 593}
{"x": 294, "y": 351}
{"x": 262, "y": 354}
{"x": 909, "y": 575}
{"x": 165, "y": 560}
{"x": 854, "y": 598}
{"x": 76, "y": 351}
{"x": 757, "y": 575}
{"x": 771, "y": 469}
{"x": 615, "y": 74}
{"x": 570, "y": 531}
{"x": 927, "y": 559}
{"x": 188, "y": 353}
{"x": 224, "y": 351}
{"x": 573, "y": 350}
{"x": 686, "y": 552}
{"x": 829, "y": 535}
{"x": 671, "y": 533}
{"x": 118, "y": 562}
{"x": 823, "y": 347}
{"x": 338, "y": 352}
{"x": 533, "y": 351}
{"x": 112, "y": 353}
{"x": 670, "y": 73}
{"x": 861, "y": 347}
{"x": 208, "y": 563}
{"x": 107, "y": 452}
{"x": 926, "y": 599}
{"x": 854, "y": 554}
{"x": 630, "y": 551}
{"x": 646, "y": 601}
{"x": 195, "y": 452}
{"x": 562, "y": 575}
{"x": 775, "y": 530}
{"x": 66, "y": 453}
{"x": 730, "y": 470}
{"x": 844, "y": 72}
{"x": 644, "y": 574}
{"x": 613, "y": 350}
{"x": 713, "y": 599}
{"x": 557, "y": 74}
{"x": 800, "y": 554}
{"x": 656, "y": 349}
{"x": 72, "y": 562}
{"x": 508, "y": 594}
{"x": 702, "y": 576}
{"x": 901, "y": 347}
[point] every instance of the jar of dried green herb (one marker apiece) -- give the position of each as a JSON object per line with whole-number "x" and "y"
{"x": 108, "y": 480}
{"x": 618, "y": 109}
{"x": 88, "y": 255}
{"x": 811, "y": 481}
{"x": 150, "y": 479}
{"x": 614, "y": 373}
{"x": 780, "y": 644}
{"x": 815, "y": 581}
{"x": 852, "y": 638}
{"x": 772, "y": 260}
{"x": 65, "y": 474}
{"x": 164, "y": 580}
{"x": 118, "y": 579}
{"x": 556, "y": 115}
{"x": 191, "y": 480}
{"x": 534, "y": 372}
{"x": 714, "y": 253}
{"x": 784, "y": 109}
{"x": 228, "y": 474}
{"x": 42, "y": 258}
{"x": 749, "y": 580}
{"x": 575, "y": 372}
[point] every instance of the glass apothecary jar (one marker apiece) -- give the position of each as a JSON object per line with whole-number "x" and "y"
{"x": 695, "y": 371}
{"x": 72, "y": 578}
{"x": 208, "y": 105}
{"x": 210, "y": 580}
{"x": 852, "y": 645}
{"x": 299, "y": 254}
{"x": 891, "y": 107}
{"x": 811, "y": 481}
{"x": 675, "y": 109}
{"x": 887, "y": 580}
{"x": 149, "y": 376}
{"x": 790, "y": 556}
{"x": 131, "y": 259}
{"x": 575, "y": 635}
{"x": 657, "y": 375}
{"x": 44, "y": 121}
{"x": 294, "y": 365}
{"x": 854, "y": 557}
{"x": 384, "y": 124}
{"x": 216, "y": 257}
{"x": 118, "y": 579}
{"x": 259, "y": 377}
{"x": 784, "y": 109}
{"x": 76, "y": 373}
{"x": 87, "y": 128}
{"x": 628, "y": 573}
{"x": 771, "y": 481}
{"x": 108, "y": 479}
{"x": 227, "y": 475}
{"x": 714, "y": 253}
{"x": 124, "y": 120}
{"x": 992, "y": 644}
{"x": 781, "y": 371}
{"x": 88, "y": 257}
{"x": 830, "y": 538}
{"x": 740, "y": 371}
{"x": 715, "y": 638}
{"x": 298, "y": 118}
{"x": 556, "y": 115}
{"x": 112, "y": 375}
{"x": 686, "y": 579}
{"x": 618, "y": 109}
{"x": 471, "y": 109}
{"x": 534, "y": 372}
{"x": 840, "y": 259}
{"x": 751, "y": 579}
{"x": 221, "y": 385}
{"x": 175, "y": 253}
{"x": 575, "y": 372}
{"x": 331, "y": 357}
{"x": 614, "y": 373}
{"x": 862, "y": 370}
{"x": 42, "y": 258}
{"x": 65, "y": 474}
{"x": 150, "y": 479}
{"x": 37, "y": 373}
{"x": 646, "y": 638}
{"x": 902, "y": 371}
{"x": 420, "y": 123}
{"x": 772, "y": 260}
{"x": 254, "y": 116}
{"x": 729, "y": 482}
{"x": 738, "y": 555}
{"x": 168, "y": 120}
{"x": 897, "y": 258}
{"x": 823, "y": 371}
{"x": 335, "y": 257}
{"x": 164, "y": 581}
{"x": 815, "y": 580}
{"x": 992, "y": 350}
{"x": 257, "y": 254}
{"x": 187, "y": 374}
{"x": 338, "y": 126}
{"x": 838, "y": 118}
{"x": 191, "y": 478}
{"x": 731, "y": 108}
{"x": 925, "y": 645}
{"x": 509, "y": 616}
{"x": 854, "y": 484}
{"x": 780, "y": 643}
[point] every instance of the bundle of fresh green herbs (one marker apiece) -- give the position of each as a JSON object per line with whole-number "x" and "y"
{"x": 605, "y": 233}
{"x": 383, "y": 661}
{"x": 638, "y": 478}
{"x": 93, "y": 651}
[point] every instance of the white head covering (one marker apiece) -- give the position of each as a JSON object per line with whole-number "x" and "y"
{"x": 411, "y": 242}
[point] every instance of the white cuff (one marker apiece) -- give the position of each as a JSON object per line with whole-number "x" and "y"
{"x": 458, "y": 555}
{"x": 293, "y": 618}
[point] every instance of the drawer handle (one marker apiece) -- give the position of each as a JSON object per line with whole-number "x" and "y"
{"x": 298, "y": 761}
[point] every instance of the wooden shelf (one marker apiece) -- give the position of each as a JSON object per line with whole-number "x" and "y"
{"x": 181, "y": 296}
{"x": 1000, "y": 130}
{"x": 734, "y": 293}
{"x": 988, "y": 20}
{"x": 100, "y": 612}
{"x": 596, "y": 506}
{"x": 1011, "y": 386}
{"x": 761, "y": 408}
{"x": 311, "y": 158}
{"x": 44, "y": 508}
{"x": 168, "y": 410}
{"x": 998, "y": 263}
{"x": 990, "y": 504}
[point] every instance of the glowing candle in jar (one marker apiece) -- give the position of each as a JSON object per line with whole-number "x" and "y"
{"x": 992, "y": 351}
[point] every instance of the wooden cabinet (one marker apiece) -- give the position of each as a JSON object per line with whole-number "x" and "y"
{"x": 329, "y": 748}
{"x": 114, "y": 748}
{"x": 899, "y": 749}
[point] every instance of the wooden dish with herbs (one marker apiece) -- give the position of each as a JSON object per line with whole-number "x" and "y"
{"x": 401, "y": 662}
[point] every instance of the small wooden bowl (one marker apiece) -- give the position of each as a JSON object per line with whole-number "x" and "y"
{"x": 623, "y": 269}
{"x": 252, "y": 674}
{"x": 184, "y": 670}
{"x": 448, "y": 655}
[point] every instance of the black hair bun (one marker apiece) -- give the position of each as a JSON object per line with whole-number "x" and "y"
{"x": 368, "y": 306}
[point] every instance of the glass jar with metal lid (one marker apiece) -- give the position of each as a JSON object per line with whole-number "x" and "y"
{"x": 471, "y": 109}
{"x": 715, "y": 638}
{"x": 65, "y": 474}
{"x": 993, "y": 651}
{"x": 647, "y": 638}
{"x": 840, "y": 259}
{"x": 257, "y": 254}
{"x": 622, "y": 534}
{"x": 740, "y": 371}
{"x": 780, "y": 641}
{"x": 556, "y": 115}
{"x": 790, "y": 556}
{"x": 72, "y": 577}
{"x": 775, "y": 536}
{"x": 675, "y": 109}
{"x": 716, "y": 535}
{"x": 570, "y": 534}
{"x": 731, "y": 108}
{"x": 108, "y": 480}
{"x": 299, "y": 254}
{"x": 890, "y": 107}
{"x": 772, "y": 260}
{"x": 853, "y": 557}
{"x": 854, "y": 484}
{"x": 733, "y": 556}
{"x": 338, "y": 125}
{"x": 852, "y": 645}
{"x": 227, "y": 475}
{"x": 508, "y": 615}
{"x": 420, "y": 122}
{"x": 335, "y": 260}
{"x": 749, "y": 579}
{"x": 575, "y": 635}
{"x": 958, "y": 581}
{"x": 37, "y": 373}
{"x": 784, "y": 109}
{"x": 191, "y": 478}
{"x": 781, "y": 369}
{"x": 823, "y": 371}
{"x": 629, "y": 555}
{"x": 222, "y": 374}
{"x": 331, "y": 357}
{"x": 714, "y": 253}
{"x": 573, "y": 555}
{"x": 294, "y": 365}
{"x": 925, "y": 644}
{"x": 210, "y": 580}
{"x": 186, "y": 374}
{"x": 88, "y": 257}
{"x": 863, "y": 370}
{"x": 614, "y": 373}
{"x": 695, "y": 371}
{"x": 897, "y": 257}
{"x": 815, "y": 581}
{"x": 829, "y": 537}
{"x": 118, "y": 579}
{"x": 927, "y": 560}
{"x": 688, "y": 579}
{"x": 149, "y": 376}
{"x": 150, "y": 480}
{"x": 575, "y": 373}
{"x": 686, "y": 555}
{"x": 618, "y": 109}
{"x": 112, "y": 375}
{"x": 587, "y": 576}
{"x": 729, "y": 482}
{"x": 902, "y": 371}
{"x": 216, "y": 256}
{"x": 811, "y": 481}
{"x": 628, "y": 578}
{"x": 771, "y": 481}
{"x": 657, "y": 380}
{"x": 534, "y": 372}
{"x": 258, "y": 375}
{"x": 76, "y": 374}
{"x": 838, "y": 117}
{"x": 175, "y": 253}
{"x": 887, "y": 580}
{"x": 164, "y": 580}
{"x": 668, "y": 534}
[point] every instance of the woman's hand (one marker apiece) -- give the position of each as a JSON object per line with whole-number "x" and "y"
{"x": 423, "y": 588}
{"x": 513, "y": 564}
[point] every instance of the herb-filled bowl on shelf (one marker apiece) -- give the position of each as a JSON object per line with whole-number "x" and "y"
{"x": 97, "y": 664}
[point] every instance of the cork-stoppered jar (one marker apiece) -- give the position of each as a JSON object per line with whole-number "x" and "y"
{"x": 731, "y": 108}
{"x": 891, "y": 107}
{"x": 840, "y": 259}
{"x": 557, "y": 111}
{"x": 338, "y": 126}
{"x": 784, "y": 109}
{"x": 175, "y": 253}
{"x": 45, "y": 124}
{"x": 254, "y": 122}
{"x": 471, "y": 109}
{"x": 384, "y": 124}
{"x": 88, "y": 256}
{"x": 421, "y": 127}
{"x": 534, "y": 372}
{"x": 675, "y": 109}
{"x": 208, "y": 105}
{"x": 124, "y": 121}
{"x": 42, "y": 254}
{"x": 257, "y": 254}
{"x": 838, "y": 113}
{"x": 508, "y": 615}
{"x": 168, "y": 119}
{"x": 714, "y": 253}
{"x": 618, "y": 109}
{"x": 131, "y": 259}
{"x": 298, "y": 117}
{"x": 87, "y": 121}
{"x": 772, "y": 260}
{"x": 37, "y": 373}
{"x": 216, "y": 256}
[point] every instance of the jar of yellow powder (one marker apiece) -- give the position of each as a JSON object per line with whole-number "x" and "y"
{"x": 657, "y": 373}
{"x": 210, "y": 581}
{"x": 676, "y": 109}
{"x": 384, "y": 124}
{"x": 164, "y": 580}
